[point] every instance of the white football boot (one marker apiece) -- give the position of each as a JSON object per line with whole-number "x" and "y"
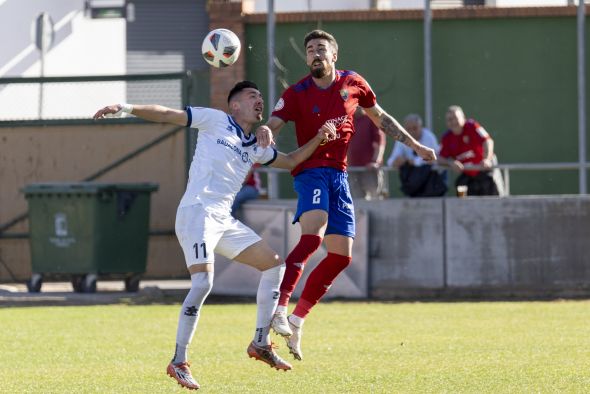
{"x": 294, "y": 341}
{"x": 280, "y": 324}
{"x": 182, "y": 373}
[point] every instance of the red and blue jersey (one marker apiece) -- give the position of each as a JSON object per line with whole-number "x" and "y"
{"x": 310, "y": 106}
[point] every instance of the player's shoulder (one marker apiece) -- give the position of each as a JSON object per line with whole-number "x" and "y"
{"x": 302, "y": 85}
{"x": 350, "y": 76}
{"x": 347, "y": 74}
{"x": 202, "y": 116}
{"x": 205, "y": 111}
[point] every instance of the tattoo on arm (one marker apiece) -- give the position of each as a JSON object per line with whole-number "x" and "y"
{"x": 390, "y": 128}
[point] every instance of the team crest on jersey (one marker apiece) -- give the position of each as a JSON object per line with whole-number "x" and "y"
{"x": 344, "y": 94}
{"x": 245, "y": 157}
{"x": 466, "y": 139}
{"x": 279, "y": 105}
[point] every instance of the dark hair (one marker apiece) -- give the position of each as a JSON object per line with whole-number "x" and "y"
{"x": 320, "y": 34}
{"x": 239, "y": 87}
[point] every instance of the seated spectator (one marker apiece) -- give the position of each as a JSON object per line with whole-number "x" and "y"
{"x": 418, "y": 179}
{"x": 250, "y": 191}
{"x": 466, "y": 142}
{"x": 366, "y": 149}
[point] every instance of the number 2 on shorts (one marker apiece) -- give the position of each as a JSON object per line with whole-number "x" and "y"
{"x": 316, "y": 196}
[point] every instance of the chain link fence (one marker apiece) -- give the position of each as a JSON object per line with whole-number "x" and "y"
{"x": 64, "y": 98}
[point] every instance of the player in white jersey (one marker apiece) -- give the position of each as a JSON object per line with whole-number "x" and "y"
{"x": 226, "y": 150}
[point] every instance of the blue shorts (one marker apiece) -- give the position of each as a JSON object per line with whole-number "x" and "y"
{"x": 327, "y": 189}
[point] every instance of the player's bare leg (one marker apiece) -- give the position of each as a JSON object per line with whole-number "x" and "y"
{"x": 263, "y": 258}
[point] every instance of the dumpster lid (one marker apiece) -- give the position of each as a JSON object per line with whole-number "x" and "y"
{"x": 86, "y": 187}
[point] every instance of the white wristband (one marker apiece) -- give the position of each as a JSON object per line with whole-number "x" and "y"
{"x": 127, "y": 108}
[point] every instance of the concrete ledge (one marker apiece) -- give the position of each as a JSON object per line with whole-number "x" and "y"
{"x": 534, "y": 246}
{"x": 385, "y": 292}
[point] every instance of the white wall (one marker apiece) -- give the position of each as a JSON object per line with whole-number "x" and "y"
{"x": 527, "y": 3}
{"x": 82, "y": 46}
{"x": 255, "y": 6}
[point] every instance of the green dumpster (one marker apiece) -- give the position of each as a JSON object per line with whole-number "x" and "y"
{"x": 85, "y": 230}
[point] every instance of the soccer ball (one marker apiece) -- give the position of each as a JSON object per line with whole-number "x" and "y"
{"x": 221, "y": 48}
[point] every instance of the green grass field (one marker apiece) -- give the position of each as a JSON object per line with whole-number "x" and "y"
{"x": 480, "y": 347}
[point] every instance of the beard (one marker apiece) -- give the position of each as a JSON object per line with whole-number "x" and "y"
{"x": 319, "y": 72}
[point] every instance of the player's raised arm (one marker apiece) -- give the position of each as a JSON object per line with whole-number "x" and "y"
{"x": 265, "y": 134}
{"x": 394, "y": 129}
{"x": 290, "y": 160}
{"x": 153, "y": 113}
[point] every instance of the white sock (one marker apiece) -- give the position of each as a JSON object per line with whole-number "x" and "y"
{"x": 267, "y": 299}
{"x": 281, "y": 309}
{"x": 201, "y": 284}
{"x": 296, "y": 320}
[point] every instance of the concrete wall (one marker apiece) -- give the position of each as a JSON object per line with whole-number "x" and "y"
{"x": 406, "y": 243}
{"x": 518, "y": 243}
{"x": 477, "y": 247}
{"x": 480, "y": 246}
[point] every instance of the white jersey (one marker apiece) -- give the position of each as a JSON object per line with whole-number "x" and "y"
{"x": 223, "y": 157}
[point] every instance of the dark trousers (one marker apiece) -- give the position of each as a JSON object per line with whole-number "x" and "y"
{"x": 480, "y": 185}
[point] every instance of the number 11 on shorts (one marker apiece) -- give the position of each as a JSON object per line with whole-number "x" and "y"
{"x": 202, "y": 246}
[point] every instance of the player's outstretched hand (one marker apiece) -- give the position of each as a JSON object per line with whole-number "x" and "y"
{"x": 426, "y": 153}
{"x": 264, "y": 136}
{"x": 327, "y": 132}
{"x": 114, "y": 110}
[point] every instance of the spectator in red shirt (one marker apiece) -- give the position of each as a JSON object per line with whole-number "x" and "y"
{"x": 366, "y": 149}
{"x": 467, "y": 142}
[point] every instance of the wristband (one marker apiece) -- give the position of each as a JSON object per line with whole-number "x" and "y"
{"x": 127, "y": 108}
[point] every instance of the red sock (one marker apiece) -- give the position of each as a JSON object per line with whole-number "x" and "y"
{"x": 307, "y": 245}
{"x": 319, "y": 281}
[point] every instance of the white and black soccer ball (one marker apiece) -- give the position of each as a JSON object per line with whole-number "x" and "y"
{"x": 221, "y": 48}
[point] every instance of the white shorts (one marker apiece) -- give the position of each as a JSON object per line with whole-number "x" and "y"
{"x": 200, "y": 233}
